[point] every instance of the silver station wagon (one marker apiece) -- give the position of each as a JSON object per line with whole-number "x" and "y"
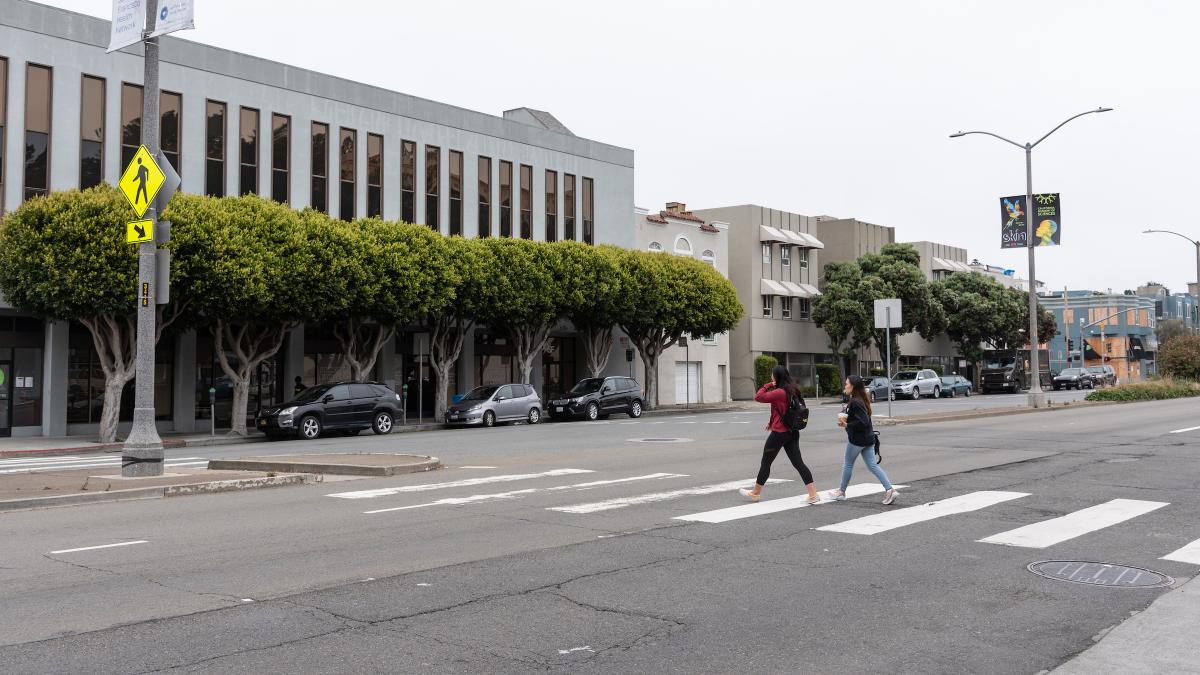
{"x": 492, "y": 404}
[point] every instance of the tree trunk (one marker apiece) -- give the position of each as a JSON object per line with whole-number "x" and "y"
{"x": 446, "y": 336}
{"x": 529, "y": 342}
{"x": 361, "y": 343}
{"x": 597, "y": 347}
{"x": 110, "y": 414}
{"x": 650, "y": 346}
{"x": 251, "y": 344}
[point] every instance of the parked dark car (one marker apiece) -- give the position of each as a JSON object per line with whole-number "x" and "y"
{"x": 1105, "y": 376}
{"x": 496, "y": 403}
{"x": 1074, "y": 378}
{"x": 344, "y": 406}
{"x": 598, "y": 397}
{"x": 955, "y": 385}
{"x": 878, "y": 387}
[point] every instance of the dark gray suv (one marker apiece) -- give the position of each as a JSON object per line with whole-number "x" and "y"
{"x": 345, "y": 406}
{"x": 598, "y": 397}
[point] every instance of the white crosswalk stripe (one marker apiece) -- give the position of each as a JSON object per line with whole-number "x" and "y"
{"x": 890, "y": 520}
{"x": 1075, "y": 524}
{"x": 467, "y": 482}
{"x": 1187, "y": 554}
{"x": 28, "y": 465}
{"x": 776, "y": 505}
{"x": 497, "y": 496}
{"x": 622, "y": 502}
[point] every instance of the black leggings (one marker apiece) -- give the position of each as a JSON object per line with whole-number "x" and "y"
{"x": 790, "y": 442}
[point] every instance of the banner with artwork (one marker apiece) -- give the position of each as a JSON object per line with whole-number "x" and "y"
{"x": 1047, "y": 221}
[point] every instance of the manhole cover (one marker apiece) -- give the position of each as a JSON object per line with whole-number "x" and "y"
{"x": 1100, "y": 574}
{"x": 660, "y": 440}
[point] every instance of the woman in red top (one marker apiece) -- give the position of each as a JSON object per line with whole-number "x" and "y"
{"x": 776, "y": 393}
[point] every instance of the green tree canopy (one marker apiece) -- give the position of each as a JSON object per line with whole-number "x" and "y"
{"x": 592, "y": 297}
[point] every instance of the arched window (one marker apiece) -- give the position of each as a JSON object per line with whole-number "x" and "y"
{"x": 682, "y": 245}
{"x": 655, "y": 246}
{"x": 709, "y": 257}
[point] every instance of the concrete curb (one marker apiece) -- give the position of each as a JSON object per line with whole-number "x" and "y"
{"x": 159, "y": 492}
{"x": 986, "y": 412}
{"x": 428, "y": 464}
{"x": 79, "y": 449}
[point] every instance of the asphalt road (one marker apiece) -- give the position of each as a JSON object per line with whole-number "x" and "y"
{"x": 579, "y": 548}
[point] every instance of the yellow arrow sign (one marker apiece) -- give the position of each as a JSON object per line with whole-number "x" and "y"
{"x": 139, "y": 231}
{"x": 141, "y": 181}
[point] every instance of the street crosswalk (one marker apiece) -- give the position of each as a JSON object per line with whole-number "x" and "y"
{"x": 42, "y": 464}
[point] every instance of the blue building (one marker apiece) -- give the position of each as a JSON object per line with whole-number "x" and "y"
{"x": 1168, "y": 305}
{"x": 1103, "y": 328}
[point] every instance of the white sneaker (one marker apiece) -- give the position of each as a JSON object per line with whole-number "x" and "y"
{"x": 837, "y": 495}
{"x": 749, "y": 494}
{"x": 890, "y": 497}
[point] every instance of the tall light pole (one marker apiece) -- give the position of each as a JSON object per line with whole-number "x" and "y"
{"x": 1194, "y": 242}
{"x": 1037, "y": 398}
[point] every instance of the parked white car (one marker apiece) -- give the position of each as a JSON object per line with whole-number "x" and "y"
{"x": 916, "y": 383}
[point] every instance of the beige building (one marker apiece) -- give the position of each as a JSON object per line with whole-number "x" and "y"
{"x": 696, "y": 371}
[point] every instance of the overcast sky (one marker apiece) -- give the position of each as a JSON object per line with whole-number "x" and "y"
{"x": 838, "y": 108}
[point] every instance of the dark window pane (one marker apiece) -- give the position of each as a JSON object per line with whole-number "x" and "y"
{"x": 589, "y": 211}
{"x": 346, "y": 159}
{"x": 37, "y": 99}
{"x": 505, "y": 198}
{"x": 374, "y": 197}
{"x": 433, "y": 182}
{"x": 408, "y": 159}
{"x": 375, "y": 160}
{"x": 568, "y": 206}
{"x": 346, "y": 201}
{"x": 551, "y": 227}
{"x": 248, "y": 139}
{"x": 279, "y": 186}
{"x": 484, "y": 168}
{"x": 249, "y": 179}
{"x": 456, "y": 170}
{"x": 172, "y": 157}
{"x": 318, "y": 196}
{"x": 170, "y": 110}
{"x": 505, "y": 221}
{"x": 431, "y": 212}
{"x": 127, "y": 153}
{"x": 214, "y": 178}
{"x": 91, "y": 169}
{"x": 456, "y": 217}
{"x": 214, "y": 132}
{"x": 485, "y": 220}
{"x": 36, "y": 163}
{"x": 320, "y": 149}
{"x": 91, "y": 119}
{"x": 526, "y": 201}
{"x": 281, "y": 133}
{"x": 408, "y": 207}
{"x": 131, "y": 116}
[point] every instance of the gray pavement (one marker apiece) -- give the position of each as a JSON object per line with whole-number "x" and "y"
{"x": 557, "y": 548}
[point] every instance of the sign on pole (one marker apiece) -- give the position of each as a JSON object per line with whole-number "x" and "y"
{"x": 1047, "y": 221}
{"x": 128, "y": 23}
{"x": 170, "y": 183}
{"x": 886, "y": 319}
{"x": 174, "y": 15}
{"x": 141, "y": 181}
{"x": 138, "y": 231}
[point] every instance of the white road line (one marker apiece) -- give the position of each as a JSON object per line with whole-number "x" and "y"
{"x": 1187, "y": 554}
{"x": 1180, "y": 431}
{"x": 622, "y": 502}
{"x": 94, "y": 464}
{"x": 43, "y": 460}
{"x": 478, "y": 467}
{"x": 1057, "y": 530}
{"x": 467, "y": 482}
{"x": 775, "y": 505}
{"x": 93, "y": 548}
{"x": 890, "y": 520}
{"x": 495, "y": 496}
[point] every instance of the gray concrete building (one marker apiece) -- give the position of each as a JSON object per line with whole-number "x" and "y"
{"x": 70, "y": 117}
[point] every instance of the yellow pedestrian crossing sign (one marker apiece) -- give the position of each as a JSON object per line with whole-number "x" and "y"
{"x": 139, "y": 231}
{"x": 141, "y": 181}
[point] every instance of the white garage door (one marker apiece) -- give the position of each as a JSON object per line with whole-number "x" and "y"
{"x": 687, "y": 382}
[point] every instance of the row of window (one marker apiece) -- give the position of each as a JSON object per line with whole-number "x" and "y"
{"x": 683, "y": 246}
{"x": 802, "y": 307}
{"x": 92, "y": 127}
{"x": 785, "y": 256}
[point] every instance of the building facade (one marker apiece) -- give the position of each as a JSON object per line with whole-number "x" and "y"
{"x": 1112, "y": 329}
{"x": 1172, "y": 306}
{"x": 70, "y": 117}
{"x": 696, "y": 370}
{"x": 774, "y": 262}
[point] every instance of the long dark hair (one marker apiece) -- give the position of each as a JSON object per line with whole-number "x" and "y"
{"x": 783, "y": 380}
{"x": 858, "y": 390}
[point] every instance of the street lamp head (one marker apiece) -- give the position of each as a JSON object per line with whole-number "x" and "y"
{"x": 1103, "y": 109}
{"x": 958, "y": 135}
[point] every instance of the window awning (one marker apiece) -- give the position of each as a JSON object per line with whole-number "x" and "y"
{"x": 768, "y": 234}
{"x": 772, "y": 287}
{"x": 809, "y": 240}
{"x": 801, "y": 290}
{"x": 942, "y": 264}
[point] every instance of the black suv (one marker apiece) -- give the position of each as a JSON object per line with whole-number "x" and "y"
{"x": 346, "y": 406}
{"x": 598, "y": 397}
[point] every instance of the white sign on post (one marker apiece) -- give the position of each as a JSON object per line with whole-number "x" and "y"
{"x": 882, "y": 315}
{"x": 128, "y": 23}
{"x": 174, "y": 15}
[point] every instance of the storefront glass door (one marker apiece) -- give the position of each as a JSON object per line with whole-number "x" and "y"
{"x": 6, "y": 386}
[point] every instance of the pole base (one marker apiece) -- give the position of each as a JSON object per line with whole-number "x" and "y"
{"x": 1038, "y": 399}
{"x": 142, "y": 454}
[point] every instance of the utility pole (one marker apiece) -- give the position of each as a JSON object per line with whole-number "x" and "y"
{"x": 142, "y": 454}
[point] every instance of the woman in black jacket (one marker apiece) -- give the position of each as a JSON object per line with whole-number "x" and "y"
{"x": 856, "y": 418}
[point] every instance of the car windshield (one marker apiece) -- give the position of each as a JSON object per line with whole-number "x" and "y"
{"x": 480, "y": 393}
{"x": 911, "y": 375}
{"x": 1096, "y": 369}
{"x": 592, "y": 384}
{"x": 312, "y": 393}
{"x": 1069, "y": 372}
{"x": 1002, "y": 362}
{"x": 949, "y": 380}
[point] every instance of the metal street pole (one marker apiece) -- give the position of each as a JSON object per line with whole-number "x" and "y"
{"x": 1194, "y": 242}
{"x": 142, "y": 454}
{"x": 888, "y": 312}
{"x": 1037, "y": 398}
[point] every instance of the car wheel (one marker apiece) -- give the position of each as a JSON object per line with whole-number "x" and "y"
{"x": 635, "y": 409}
{"x": 535, "y": 416}
{"x": 383, "y": 423}
{"x": 953, "y": 393}
{"x": 916, "y": 393}
{"x": 967, "y": 393}
{"x": 489, "y": 419}
{"x": 874, "y": 397}
{"x": 593, "y": 411}
{"x": 310, "y": 427}
{"x": 937, "y": 392}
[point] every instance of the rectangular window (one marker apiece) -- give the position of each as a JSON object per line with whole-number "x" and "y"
{"x": 319, "y": 135}
{"x": 456, "y": 193}
{"x": 803, "y": 258}
{"x": 248, "y": 181}
{"x": 91, "y": 132}
{"x": 766, "y": 307}
{"x": 131, "y": 121}
{"x": 568, "y": 207}
{"x": 589, "y": 212}
{"x": 433, "y": 183}
{"x": 408, "y": 181}
{"x": 3, "y": 123}
{"x": 785, "y": 256}
{"x": 766, "y": 254}
{"x": 347, "y": 172}
{"x": 506, "y": 178}
{"x": 785, "y": 308}
{"x": 374, "y": 175}
{"x": 526, "y": 201}
{"x": 281, "y": 157}
{"x": 38, "y": 84}
{"x": 551, "y": 205}
{"x": 485, "y": 196}
{"x": 804, "y": 307}
{"x": 214, "y": 148}
{"x": 170, "y": 126}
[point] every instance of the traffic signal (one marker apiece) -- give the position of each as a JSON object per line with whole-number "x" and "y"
{"x": 1070, "y": 345}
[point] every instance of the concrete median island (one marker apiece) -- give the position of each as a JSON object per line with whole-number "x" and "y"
{"x": 346, "y": 464}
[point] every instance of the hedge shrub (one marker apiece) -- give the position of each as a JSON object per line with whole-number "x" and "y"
{"x": 828, "y": 376}
{"x": 1155, "y": 390}
{"x": 763, "y": 365}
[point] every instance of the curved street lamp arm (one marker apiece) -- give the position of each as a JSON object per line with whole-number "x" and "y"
{"x": 1086, "y": 112}
{"x": 987, "y": 133}
{"x": 1190, "y": 240}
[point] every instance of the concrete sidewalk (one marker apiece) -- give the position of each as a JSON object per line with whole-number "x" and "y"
{"x": 1161, "y": 639}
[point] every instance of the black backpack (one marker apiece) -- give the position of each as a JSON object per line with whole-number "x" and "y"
{"x": 796, "y": 416}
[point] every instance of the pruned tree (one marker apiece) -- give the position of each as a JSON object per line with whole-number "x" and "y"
{"x": 63, "y": 258}
{"x": 894, "y": 273}
{"x": 978, "y": 310}
{"x": 527, "y": 300}
{"x": 591, "y": 297}
{"x": 840, "y": 311}
{"x": 466, "y": 268}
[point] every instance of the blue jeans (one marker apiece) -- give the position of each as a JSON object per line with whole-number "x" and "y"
{"x": 868, "y": 455}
